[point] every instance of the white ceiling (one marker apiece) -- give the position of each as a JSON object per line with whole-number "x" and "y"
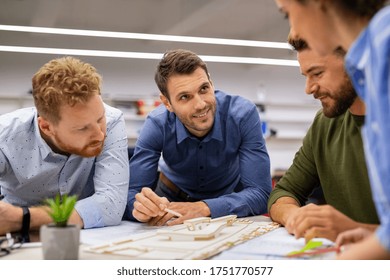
{"x": 232, "y": 19}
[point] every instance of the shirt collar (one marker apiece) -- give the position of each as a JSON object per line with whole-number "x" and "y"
{"x": 356, "y": 57}
{"x": 43, "y": 146}
{"x": 356, "y": 60}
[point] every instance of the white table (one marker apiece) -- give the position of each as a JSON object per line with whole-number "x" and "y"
{"x": 273, "y": 245}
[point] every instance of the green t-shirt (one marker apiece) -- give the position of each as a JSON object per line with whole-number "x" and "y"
{"x": 332, "y": 156}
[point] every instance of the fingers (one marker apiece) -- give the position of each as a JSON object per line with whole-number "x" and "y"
{"x": 310, "y": 234}
{"x": 152, "y": 201}
{"x": 352, "y": 236}
{"x": 177, "y": 221}
{"x": 148, "y": 205}
{"x": 322, "y": 232}
{"x": 189, "y": 210}
{"x": 147, "y": 210}
{"x": 138, "y": 212}
{"x": 160, "y": 220}
{"x": 298, "y": 222}
{"x": 309, "y": 223}
{"x": 343, "y": 239}
{"x": 315, "y": 221}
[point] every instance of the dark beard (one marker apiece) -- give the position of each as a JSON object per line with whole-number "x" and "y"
{"x": 343, "y": 99}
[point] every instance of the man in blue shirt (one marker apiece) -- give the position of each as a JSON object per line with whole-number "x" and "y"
{"x": 214, "y": 160}
{"x": 71, "y": 143}
{"x": 362, "y": 28}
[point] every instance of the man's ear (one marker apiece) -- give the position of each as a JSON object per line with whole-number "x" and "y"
{"x": 45, "y": 126}
{"x": 166, "y": 102}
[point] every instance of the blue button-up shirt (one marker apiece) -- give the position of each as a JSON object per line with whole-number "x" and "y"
{"x": 30, "y": 171}
{"x": 229, "y": 169}
{"x": 368, "y": 64}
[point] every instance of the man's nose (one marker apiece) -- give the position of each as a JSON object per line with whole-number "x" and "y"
{"x": 310, "y": 87}
{"x": 99, "y": 132}
{"x": 199, "y": 102}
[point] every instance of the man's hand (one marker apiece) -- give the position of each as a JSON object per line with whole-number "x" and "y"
{"x": 313, "y": 220}
{"x": 148, "y": 205}
{"x": 10, "y": 218}
{"x": 352, "y": 236}
{"x": 188, "y": 210}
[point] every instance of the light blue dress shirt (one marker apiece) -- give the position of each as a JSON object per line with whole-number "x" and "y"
{"x": 368, "y": 64}
{"x": 30, "y": 171}
{"x": 229, "y": 169}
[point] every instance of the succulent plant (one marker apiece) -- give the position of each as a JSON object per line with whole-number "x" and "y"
{"x": 60, "y": 208}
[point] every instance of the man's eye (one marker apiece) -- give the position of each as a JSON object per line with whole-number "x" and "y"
{"x": 204, "y": 89}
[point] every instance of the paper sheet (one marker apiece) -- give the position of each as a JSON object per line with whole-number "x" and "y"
{"x": 271, "y": 246}
{"x": 150, "y": 245}
{"x": 106, "y": 234}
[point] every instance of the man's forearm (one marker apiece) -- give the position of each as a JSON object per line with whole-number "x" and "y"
{"x": 39, "y": 216}
{"x": 282, "y": 208}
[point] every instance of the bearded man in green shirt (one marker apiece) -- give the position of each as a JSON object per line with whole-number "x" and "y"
{"x": 331, "y": 156}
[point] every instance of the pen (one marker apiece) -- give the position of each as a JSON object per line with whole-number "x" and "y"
{"x": 177, "y": 214}
{"x": 1, "y": 197}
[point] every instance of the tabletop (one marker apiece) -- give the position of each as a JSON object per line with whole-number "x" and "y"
{"x": 275, "y": 244}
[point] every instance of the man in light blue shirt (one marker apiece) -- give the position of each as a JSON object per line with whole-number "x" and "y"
{"x": 71, "y": 143}
{"x": 362, "y": 28}
{"x": 368, "y": 64}
{"x": 214, "y": 160}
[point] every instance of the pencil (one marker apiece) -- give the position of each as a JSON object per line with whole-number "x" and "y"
{"x": 177, "y": 214}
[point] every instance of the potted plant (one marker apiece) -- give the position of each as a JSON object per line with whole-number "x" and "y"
{"x": 60, "y": 240}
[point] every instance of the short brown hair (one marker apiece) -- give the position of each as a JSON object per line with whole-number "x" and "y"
{"x": 176, "y": 62}
{"x": 361, "y": 8}
{"x": 63, "y": 81}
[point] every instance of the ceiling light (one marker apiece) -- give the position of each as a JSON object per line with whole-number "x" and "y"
{"x": 143, "y": 36}
{"x": 141, "y": 55}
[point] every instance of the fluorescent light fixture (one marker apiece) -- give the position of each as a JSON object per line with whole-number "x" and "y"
{"x": 143, "y": 36}
{"x": 141, "y": 55}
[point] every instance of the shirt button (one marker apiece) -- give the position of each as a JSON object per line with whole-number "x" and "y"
{"x": 200, "y": 147}
{"x": 201, "y": 167}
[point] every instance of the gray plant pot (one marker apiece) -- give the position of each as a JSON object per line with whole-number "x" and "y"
{"x": 60, "y": 243}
